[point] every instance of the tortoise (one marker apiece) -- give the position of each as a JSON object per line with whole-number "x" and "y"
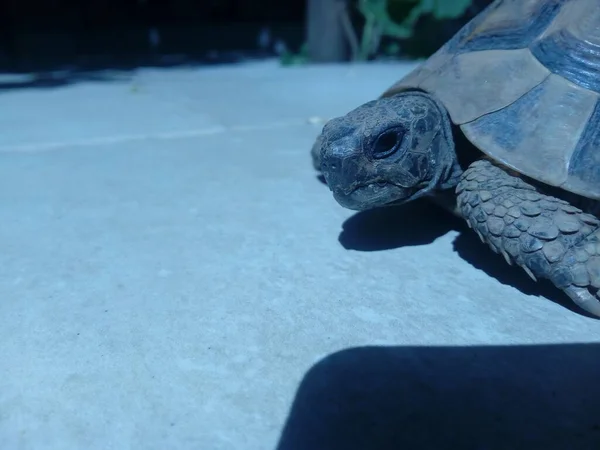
{"x": 501, "y": 125}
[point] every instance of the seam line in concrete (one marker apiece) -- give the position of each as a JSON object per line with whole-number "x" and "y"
{"x": 120, "y": 139}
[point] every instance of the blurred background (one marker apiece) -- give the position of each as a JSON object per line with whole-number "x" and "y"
{"x": 43, "y": 35}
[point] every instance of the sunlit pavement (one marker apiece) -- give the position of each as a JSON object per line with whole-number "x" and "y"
{"x": 172, "y": 271}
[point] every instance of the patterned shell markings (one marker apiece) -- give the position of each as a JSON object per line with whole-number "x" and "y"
{"x": 522, "y": 80}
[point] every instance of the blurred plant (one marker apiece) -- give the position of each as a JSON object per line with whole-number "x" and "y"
{"x": 395, "y": 19}
{"x": 289, "y": 58}
{"x": 388, "y": 22}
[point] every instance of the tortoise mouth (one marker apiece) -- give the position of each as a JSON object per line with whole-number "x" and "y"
{"x": 372, "y": 185}
{"x": 372, "y": 195}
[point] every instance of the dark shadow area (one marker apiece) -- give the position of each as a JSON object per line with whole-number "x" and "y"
{"x": 53, "y": 44}
{"x": 415, "y": 223}
{"x": 420, "y": 223}
{"x": 49, "y": 75}
{"x": 469, "y": 398}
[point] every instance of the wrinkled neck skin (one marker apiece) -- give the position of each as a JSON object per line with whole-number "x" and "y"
{"x": 444, "y": 160}
{"x": 457, "y": 157}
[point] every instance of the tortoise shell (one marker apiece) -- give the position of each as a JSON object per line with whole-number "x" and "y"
{"x": 522, "y": 81}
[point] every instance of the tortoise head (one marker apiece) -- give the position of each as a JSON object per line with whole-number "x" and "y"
{"x": 387, "y": 151}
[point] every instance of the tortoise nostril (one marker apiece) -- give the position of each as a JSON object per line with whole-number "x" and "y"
{"x": 326, "y": 166}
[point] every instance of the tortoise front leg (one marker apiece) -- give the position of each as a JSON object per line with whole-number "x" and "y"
{"x": 546, "y": 236}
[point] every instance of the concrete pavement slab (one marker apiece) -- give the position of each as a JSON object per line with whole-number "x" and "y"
{"x": 172, "y": 268}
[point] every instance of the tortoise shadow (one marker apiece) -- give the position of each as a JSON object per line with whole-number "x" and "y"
{"x": 420, "y": 223}
{"x": 416, "y": 223}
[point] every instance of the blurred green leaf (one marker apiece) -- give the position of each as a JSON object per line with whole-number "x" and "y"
{"x": 392, "y": 49}
{"x": 376, "y": 12}
{"x": 289, "y": 58}
{"x": 398, "y": 18}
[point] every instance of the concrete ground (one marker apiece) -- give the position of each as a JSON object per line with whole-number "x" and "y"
{"x": 174, "y": 276}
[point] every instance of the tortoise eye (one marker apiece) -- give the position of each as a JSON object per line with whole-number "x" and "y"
{"x": 387, "y": 143}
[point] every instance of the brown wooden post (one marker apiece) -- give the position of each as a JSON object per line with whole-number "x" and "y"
{"x": 327, "y": 39}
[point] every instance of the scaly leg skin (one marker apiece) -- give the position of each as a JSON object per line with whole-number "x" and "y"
{"x": 548, "y": 237}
